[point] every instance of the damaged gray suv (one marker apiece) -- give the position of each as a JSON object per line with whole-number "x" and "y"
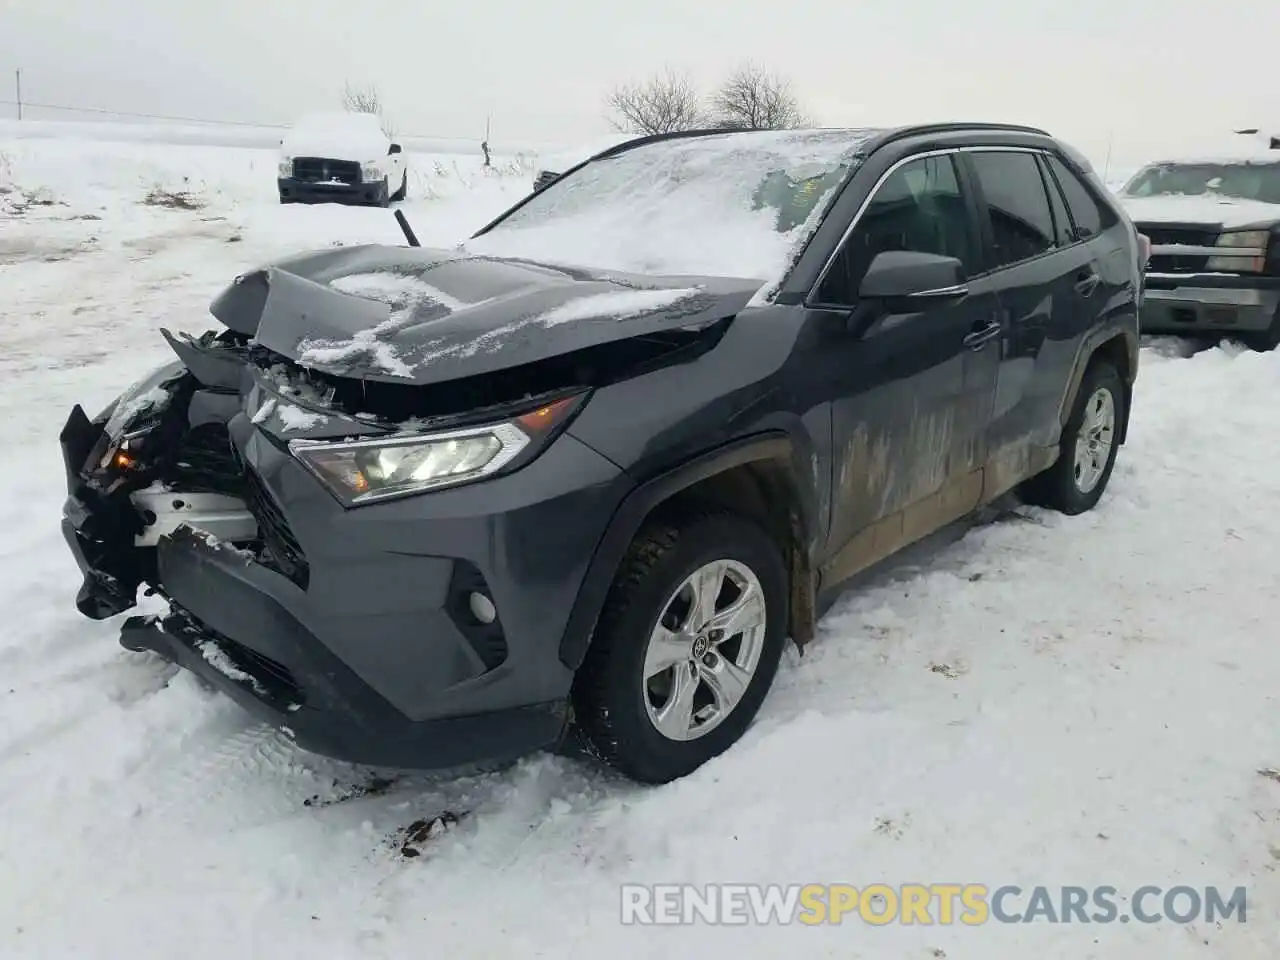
{"x": 580, "y": 479}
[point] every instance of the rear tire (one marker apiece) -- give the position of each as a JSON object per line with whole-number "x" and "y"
{"x": 1088, "y": 446}
{"x": 654, "y": 723}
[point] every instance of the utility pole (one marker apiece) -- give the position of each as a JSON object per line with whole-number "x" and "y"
{"x": 17, "y": 74}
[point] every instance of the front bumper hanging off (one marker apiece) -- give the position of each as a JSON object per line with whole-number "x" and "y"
{"x": 249, "y": 631}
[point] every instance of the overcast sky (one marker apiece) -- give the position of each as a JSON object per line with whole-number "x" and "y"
{"x": 1142, "y": 71}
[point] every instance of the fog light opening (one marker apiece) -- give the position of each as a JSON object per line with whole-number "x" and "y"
{"x": 482, "y": 608}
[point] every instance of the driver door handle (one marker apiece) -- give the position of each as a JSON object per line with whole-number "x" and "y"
{"x": 975, "y": 340}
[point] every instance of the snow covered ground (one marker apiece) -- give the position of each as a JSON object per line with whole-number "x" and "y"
{"x": 1040, "y": 700}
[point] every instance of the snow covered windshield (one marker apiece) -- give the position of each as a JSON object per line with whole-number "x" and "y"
{"x": 732, "y": 205}
{"x": 1244, "y": 181}
{"x": 351, "y": 136}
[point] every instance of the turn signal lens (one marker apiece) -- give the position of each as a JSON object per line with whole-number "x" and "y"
{"x": 544, "y": 418}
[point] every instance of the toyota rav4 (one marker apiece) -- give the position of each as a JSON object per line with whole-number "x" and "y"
{"x": 584, "y": 475}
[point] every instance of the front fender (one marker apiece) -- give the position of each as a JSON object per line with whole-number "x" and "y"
{"x": 635, "y": 508}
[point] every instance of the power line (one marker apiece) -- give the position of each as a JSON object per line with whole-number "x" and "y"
{"x": 176, "y": 119}
{"x": 148, "y": 116}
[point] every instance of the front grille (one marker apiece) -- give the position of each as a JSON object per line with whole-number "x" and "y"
{"x": 323, "y": 170}
{"x": 206, "y": 461}
{"x": 280, "y": 549}
{"x": 1190, "y": 236}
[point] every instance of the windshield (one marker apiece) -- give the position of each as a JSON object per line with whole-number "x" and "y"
{"x": 351, "y": 136}
{"x": 1244, "y": 181}
{"x": 733, "y": 205}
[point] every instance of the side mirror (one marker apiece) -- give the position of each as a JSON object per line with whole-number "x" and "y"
{"x": 395, "y": 148}
{"x": 915, "y": 277}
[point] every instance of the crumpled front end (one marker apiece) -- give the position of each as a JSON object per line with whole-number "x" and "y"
{"x": 416, "y": 631}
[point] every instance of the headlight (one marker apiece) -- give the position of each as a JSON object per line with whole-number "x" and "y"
{"x": 363, "y": 471}
{"x": 1249, "y": 252}
{"x": 372, "y": 171}
{"x": 286, "y": 167}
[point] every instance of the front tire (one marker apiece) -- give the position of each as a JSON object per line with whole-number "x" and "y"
{"x": 1088, "y": 446}
{"x": 404, "y": 188}
{"x": 1267, "y": 340}
{"x": 686, "y": 648}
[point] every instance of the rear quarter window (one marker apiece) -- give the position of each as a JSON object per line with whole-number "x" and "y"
{"x": 1090, "y": 217}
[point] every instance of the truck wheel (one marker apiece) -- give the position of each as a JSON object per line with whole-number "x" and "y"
{"x": 1088, "y": 447}
{"x": 686, "y": 647}
{"x": 404, "y": 188}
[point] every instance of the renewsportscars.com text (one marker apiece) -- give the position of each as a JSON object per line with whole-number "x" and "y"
{"x": 970, "y": 904}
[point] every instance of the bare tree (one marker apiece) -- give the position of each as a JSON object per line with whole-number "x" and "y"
{"x": 665, "y": 103}
{"x": 367, "y": 100}
{"x": 752, "y": 98}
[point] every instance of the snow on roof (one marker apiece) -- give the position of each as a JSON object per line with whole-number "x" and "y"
{"x": 730, "y": 204}
{"x": 1237, "y": 148}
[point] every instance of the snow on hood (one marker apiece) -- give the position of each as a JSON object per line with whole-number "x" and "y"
{"x": 729, "y": 205}
{"x": 1227, "y": 213}
{"x": 341, "y": 135}
{"x": 414, "y": 315}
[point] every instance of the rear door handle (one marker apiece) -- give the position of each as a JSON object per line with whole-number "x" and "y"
{"x": 979, "y": 337}
{"x": 1086, "y": 282}
{"x": 976, "y": 339}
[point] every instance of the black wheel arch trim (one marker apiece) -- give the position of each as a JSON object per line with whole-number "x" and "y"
{"x": 635, "y": 508}
{"x": 1089, "y": 346}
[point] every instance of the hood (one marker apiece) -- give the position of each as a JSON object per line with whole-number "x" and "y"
{"x": 420, "y": 316}
{"x": 1221, "y": 213}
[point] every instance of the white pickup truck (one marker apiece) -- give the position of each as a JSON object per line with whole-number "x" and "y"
{"x": 1214, "y": 226}
{"x": 341, "y": 157}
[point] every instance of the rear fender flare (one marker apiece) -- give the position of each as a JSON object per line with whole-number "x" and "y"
{"x": 630, "y": 516}
{"x": 1089, "y": 346}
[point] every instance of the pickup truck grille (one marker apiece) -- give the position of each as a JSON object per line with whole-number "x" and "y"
{"x": 1189, "y": 236}
{"x": 322, "y": 170}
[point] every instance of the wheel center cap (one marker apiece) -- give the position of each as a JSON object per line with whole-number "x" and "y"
{"x": 700, "y": 645}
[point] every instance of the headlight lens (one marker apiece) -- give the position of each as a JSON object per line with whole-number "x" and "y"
{"x": 286, "y": 166}
{"x": 1250, "y": 254}
{"x": 368, "y": 470}
{"x": 372, "y": 171}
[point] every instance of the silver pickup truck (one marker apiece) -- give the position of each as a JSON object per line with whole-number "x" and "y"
{"x": 1214, "y": 226}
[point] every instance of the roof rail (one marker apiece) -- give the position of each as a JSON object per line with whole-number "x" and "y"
{"x": 912, "y": 130}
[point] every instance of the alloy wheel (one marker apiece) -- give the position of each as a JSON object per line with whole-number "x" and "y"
{"x": 1094, "y": 439}
{"x": 704, "y": 650}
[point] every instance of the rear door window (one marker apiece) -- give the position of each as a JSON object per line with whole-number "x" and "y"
{"x": 1018, "y": 203}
